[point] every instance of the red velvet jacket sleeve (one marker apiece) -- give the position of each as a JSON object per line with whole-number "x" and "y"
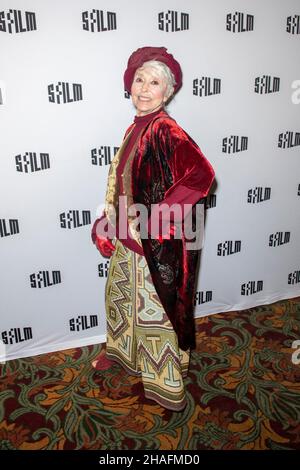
{"x": 192, "y": 173}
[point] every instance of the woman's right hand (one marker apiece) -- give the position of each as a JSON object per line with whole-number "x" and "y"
{"x": 105, "y": 247}
{"x": 103, "y": 244}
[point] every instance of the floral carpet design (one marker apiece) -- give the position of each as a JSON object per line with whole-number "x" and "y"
{"x": 243, "y": 392}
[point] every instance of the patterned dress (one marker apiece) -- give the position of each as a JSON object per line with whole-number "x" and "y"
{"x": 140, "y": 336}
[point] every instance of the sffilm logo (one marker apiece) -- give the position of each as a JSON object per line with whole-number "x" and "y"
{"x": 288, "y": 139}
{"x": 294, "y": 278}
{"x": 201, "y": 297}
{"x": 64, "y": 92}
{"x": 73, "y": 219}
{"x": 229, "y": 247}
{"x": 206, "y": 86}
{"x": 16, "y": 335}
{"x": 171, "y": 21}
{"x": 251, "y": 287}
{"x": 9, "y": 227}
{"x": 234, "y": 144}
{"x": 83, "y": 322}
{"x": 30, "y": 162}
{"x": 293, "y": 24}
{"x": 102, "y": 156}
{"x": 239, "y": 22}
{"x": 266, "y": 84}
{"x": 103, "y": 269}
{"x": 279, "y": 238}
{"x": 98, "y": 20}
{"x": 14, "y": 21}
{"x": 44, "y": 279}
{"x": 258, "y": 194}
{"x": 211, "y": 201}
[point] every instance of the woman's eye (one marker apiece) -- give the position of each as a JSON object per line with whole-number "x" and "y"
{"x": 138, "y": 79}
{"x": 155, "y": 82}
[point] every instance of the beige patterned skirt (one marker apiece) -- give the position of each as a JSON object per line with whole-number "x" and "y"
{"x": 140, "y": 336}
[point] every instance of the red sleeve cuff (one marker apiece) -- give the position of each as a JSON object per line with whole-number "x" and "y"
{"x": 185, "y": 198}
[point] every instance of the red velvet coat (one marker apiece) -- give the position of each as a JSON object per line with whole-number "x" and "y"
{"x": 166, "y": 157}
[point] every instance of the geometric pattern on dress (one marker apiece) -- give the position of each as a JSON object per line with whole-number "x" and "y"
{"x": 140, "y": 336}
{"x": 119, "y": 309}
{"x": 148, "y": 302}
{"x": 157, "y": 356}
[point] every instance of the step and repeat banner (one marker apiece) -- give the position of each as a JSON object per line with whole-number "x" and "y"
{"x": 63, "y": 114}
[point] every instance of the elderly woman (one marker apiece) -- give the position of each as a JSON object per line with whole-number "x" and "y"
{"x": 152, "y": 273}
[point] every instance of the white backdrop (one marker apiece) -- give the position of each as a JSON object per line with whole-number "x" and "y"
{"x": 240, "y": 61}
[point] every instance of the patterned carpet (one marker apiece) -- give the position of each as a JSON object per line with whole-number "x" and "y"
{"x": 243, "y": 393}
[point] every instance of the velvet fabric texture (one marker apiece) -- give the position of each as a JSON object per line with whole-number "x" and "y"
{"x": 167, "y": 157}
{"x": 144, "y": 54}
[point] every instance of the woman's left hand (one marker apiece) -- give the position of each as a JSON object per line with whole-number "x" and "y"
{"x": 159, "y": 228}
{"x": 168, "y": 231}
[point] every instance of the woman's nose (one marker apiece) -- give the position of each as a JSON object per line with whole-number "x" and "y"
{"x": 145, "y": 86}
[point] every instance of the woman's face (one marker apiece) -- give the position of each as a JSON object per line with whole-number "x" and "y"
{"x": 148, "y": 90}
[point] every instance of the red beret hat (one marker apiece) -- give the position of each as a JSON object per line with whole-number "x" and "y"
{"x": 142, "y": 55}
